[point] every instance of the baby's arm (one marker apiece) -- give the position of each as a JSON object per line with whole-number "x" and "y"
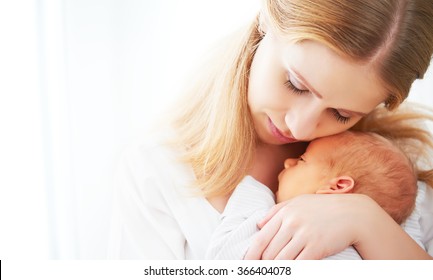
{"x": 248, "y": 204}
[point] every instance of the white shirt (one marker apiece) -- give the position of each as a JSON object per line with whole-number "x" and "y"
{"x": 156, "y": 214}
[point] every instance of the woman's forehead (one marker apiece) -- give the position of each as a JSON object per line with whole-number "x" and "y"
{"x": 342, "y": 83}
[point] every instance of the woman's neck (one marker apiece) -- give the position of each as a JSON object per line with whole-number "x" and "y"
{"x": 269, "y": 160}
{"x": 267, "y": 164}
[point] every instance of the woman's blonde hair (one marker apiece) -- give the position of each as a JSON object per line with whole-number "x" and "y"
{"x": 214, "y": 126}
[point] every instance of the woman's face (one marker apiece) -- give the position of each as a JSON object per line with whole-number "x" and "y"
{"x": 298, "y": 92}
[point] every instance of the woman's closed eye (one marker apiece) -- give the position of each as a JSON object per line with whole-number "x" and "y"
{"x": 340, "y": 118}
{"x": 289, "y": 84}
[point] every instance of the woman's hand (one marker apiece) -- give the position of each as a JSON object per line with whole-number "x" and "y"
{"x": 312, "y": 226}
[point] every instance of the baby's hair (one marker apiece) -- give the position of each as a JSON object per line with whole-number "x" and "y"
{"x": 407, "y": 128}
{"x": 379, "y": 168}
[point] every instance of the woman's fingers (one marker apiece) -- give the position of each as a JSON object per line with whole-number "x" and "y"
{"x": 300, "y": 228}
{"x": 278, "y": 243}
{"x": 308, "y": 253}
{"x": 275, "y": 209}
{"x": 262, "y": 239}
{"x": 291, "y": 251}
{"x": 272, "y": 238}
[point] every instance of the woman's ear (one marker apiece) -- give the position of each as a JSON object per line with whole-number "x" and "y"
{"x": 341, "y": 184}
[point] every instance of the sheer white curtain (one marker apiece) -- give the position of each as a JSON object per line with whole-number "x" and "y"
{"x": 24, "y": 228}
{"x": 79, "y": 79}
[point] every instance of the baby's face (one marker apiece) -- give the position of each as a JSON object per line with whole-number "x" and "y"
{"x": 306, "y": 174}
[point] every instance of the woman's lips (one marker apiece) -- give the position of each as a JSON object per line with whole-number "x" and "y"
{"x": 279, "y": 135}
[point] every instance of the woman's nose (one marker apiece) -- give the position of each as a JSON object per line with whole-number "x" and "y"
{"x": 304, "y": 121}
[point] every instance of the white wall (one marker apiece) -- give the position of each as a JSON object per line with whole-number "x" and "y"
{"x": 79, "y": 79}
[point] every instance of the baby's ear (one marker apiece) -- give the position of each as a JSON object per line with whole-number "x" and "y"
{"x": 341, "y": 184}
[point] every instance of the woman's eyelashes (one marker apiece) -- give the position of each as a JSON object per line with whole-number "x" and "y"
{"x": 293, "y": 88}
{"x": 340, "y": 118}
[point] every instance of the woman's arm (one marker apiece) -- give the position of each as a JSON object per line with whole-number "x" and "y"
{"x": 383, "y": 238}
{"x": 316, "y": 226}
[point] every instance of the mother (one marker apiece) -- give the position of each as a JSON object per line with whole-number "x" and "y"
{"x": 304, "y": 69}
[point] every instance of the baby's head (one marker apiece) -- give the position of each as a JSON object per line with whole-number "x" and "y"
{"x": 353, "y": 162}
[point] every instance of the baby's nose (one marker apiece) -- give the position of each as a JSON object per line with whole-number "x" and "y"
{"x": 290, "y": 162}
